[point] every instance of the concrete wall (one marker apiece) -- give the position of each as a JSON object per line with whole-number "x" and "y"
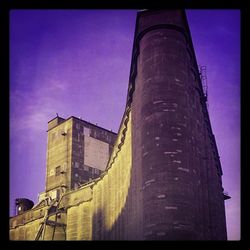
{"x": 59, "y": 154}
{"x": 100, "y": 210}
{"x": 105, "y": 214}
{"x": 163, "y": 180}
{"x": 176, "y": 151}
{"x": 80, "y": 149}
{"x": 26, "y": 225}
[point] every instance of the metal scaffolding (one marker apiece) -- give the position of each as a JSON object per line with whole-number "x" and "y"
{"x": 52, "y": 210}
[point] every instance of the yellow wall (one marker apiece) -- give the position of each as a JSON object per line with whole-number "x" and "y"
{"x": 98, "y": 210}
{"x": 59, "y": 153}
{"x": 99, "y": 216}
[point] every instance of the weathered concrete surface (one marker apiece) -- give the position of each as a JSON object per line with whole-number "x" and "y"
{"x": 181, "y": 175}
{"x": 163, "y": 180}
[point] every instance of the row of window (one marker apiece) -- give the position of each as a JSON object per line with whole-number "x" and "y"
{"x": 87, "y": 132}
{"x": 61, "y": 169}
{"x": 91, "y": 170}
{"x": 78, "y": 137}
{"x": 86, "y": 168}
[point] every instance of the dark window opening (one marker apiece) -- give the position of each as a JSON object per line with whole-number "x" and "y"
{"x": 58, "y": 170}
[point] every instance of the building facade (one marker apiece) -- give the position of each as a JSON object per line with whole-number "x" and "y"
{"x": 162, "y": 180}
{"x": 77, "y": 153}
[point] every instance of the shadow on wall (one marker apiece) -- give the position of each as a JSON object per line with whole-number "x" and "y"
{"x": 116, "y": 196}
{"x": 124, "y": 226}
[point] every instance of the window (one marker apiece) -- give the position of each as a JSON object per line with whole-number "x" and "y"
{"x": 86, "y": 131}
{"x": 77, "y": 126}
{"x": 86, "y": 168}
{"x": 96, "y": 171}
{"x": 76, "y": 164}
{"x": 58, "y": 170}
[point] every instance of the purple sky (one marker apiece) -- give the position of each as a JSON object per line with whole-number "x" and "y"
{"x": 77, "y": 63}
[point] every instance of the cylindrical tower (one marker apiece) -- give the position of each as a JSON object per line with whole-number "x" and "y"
{"x": 170, "y": 127}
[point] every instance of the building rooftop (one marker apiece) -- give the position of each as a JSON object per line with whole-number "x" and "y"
{"x": 81, "y": 120}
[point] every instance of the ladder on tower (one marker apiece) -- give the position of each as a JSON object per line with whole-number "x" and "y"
{"x": 203, "y": 77}
{"x": 53, "y": 209}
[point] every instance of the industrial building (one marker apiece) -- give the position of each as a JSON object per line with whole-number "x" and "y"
{"x": 159, "y": 178}
{"x": 78, "y": 152}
